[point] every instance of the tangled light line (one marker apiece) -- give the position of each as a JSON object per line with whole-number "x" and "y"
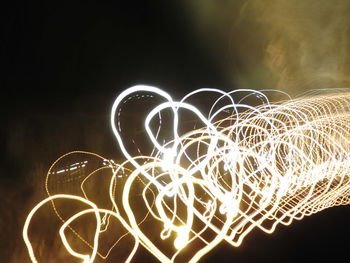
{"x": 245, "y": 167}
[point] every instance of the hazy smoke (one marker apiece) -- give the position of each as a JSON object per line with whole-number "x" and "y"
{"x": 281, "y": 44}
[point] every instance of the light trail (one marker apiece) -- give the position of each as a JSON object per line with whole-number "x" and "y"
{"x": 246, "y": 167}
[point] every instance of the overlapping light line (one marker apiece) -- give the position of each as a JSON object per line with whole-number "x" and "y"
{"x": 246, "y": 167}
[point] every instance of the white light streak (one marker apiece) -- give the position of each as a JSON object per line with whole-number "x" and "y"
{"x": 246, "y": 167}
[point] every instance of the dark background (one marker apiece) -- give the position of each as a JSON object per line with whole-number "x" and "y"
{"x": 62, "y": 65}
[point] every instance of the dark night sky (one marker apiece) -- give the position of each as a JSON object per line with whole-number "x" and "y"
{"x": 62, "y": 65}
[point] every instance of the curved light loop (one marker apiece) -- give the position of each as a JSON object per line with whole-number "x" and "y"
{"x": 245, "y": 167}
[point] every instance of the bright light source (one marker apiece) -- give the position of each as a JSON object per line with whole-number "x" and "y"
{"x": 271, "y": 163}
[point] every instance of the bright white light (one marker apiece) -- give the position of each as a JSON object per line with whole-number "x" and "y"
{"x": 182, "y": 237}
{"x": 168, "y": 159}
{"x": 255, "y": 167}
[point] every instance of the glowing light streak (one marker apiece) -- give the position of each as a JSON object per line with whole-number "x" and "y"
{"x": 247, "y": 167}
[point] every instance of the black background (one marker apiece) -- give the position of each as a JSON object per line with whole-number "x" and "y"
{"x": 62, "y": 65}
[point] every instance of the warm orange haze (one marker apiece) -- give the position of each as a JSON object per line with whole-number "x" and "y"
{"x": 234, "y": 168}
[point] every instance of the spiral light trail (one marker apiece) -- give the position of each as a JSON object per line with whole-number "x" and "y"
{"x": 245, "y": 167}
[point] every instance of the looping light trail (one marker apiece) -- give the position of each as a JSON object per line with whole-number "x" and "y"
{"x": 246, "y": 167}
